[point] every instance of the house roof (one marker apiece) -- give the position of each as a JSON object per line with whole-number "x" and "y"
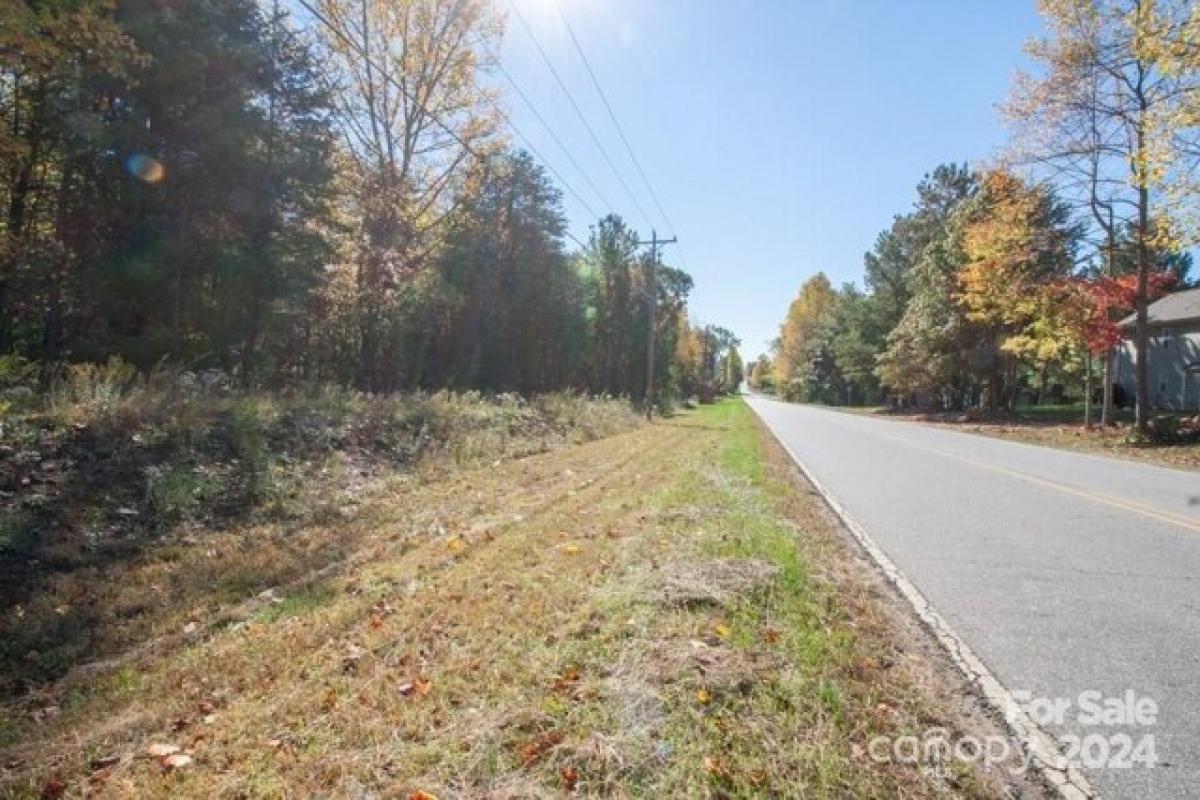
{"x": 1175, "y": 307}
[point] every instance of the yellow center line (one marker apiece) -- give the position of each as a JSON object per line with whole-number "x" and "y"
{"x": 1179, "y": 520}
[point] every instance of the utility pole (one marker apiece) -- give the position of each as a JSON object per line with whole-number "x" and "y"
{"x": 651, "y": 299}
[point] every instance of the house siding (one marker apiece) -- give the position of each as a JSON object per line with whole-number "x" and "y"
{"x": 1174, "y": 366}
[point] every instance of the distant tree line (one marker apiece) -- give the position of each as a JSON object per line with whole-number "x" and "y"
{"x": 210, "y": 184}
{"x": 1009, "y": 280}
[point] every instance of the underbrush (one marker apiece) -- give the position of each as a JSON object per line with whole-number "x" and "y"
{"x": 109, "y": 473}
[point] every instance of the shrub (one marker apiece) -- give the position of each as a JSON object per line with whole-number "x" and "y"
{"x": 180, "y": 492}
{"x": 97, "y": 387}
{"x": 17, "y": 372}
{"x": 246, "y": 434}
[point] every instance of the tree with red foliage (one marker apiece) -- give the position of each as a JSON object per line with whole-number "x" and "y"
{"x": 1107, "y": 301}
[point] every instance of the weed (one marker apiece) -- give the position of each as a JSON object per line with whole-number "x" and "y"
{"x": 181, "y": 491}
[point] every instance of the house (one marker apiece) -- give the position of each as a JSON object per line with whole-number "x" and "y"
{"x": 1174, "y": 349}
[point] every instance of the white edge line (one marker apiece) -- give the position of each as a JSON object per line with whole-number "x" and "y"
{"x": 1041, "y": 748}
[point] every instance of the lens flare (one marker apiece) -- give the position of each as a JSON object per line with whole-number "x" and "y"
{"x": 146, "y": 168}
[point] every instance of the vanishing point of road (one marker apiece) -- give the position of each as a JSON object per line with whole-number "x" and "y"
{"x": 1063, "y": 572}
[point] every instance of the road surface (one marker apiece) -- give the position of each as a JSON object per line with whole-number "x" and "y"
{"x": 1064, "y": 572}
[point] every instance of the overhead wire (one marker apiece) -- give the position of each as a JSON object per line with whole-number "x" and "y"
{"x": 578, "y": 111}
{"x": 613, "y": 116}
{"x": 550, "y": 130}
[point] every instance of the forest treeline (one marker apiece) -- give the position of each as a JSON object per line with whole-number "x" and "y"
{"x": 1010, "y": 279}
{"x": 324, "y": 197}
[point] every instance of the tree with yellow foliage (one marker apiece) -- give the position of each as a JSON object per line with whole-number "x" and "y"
{"x": 1019, "y": 245}
{"x": 1114, "y": 112}
{"x": 813, "y": 306}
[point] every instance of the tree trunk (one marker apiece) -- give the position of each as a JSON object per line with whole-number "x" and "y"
{"x": 1106, "y": 403}
{"x": 250, "y": 345}
{"x": 1087, "y": 390}
{"x": 1141, "y": 332}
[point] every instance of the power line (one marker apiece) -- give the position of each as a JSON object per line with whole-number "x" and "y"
{"x": 613, "y": 116}
{"x": 483, "y": 158}
{"x": 578, "y": 111}
{"x": 529, "y": 146}
{"x": 550, "y": 130}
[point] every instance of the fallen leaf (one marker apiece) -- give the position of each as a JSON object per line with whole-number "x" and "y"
{"x": 703, "y": 697}
{"x": 570, "y": 549}
{"x": 270, "y": 596}
{"x": 419, "y": 795}
{"x": 456, "y": 546}
{"x": 570, "y": 776}
{"x": 569, "y": 677}
{"x": 722, "y": 630}
{"x": 177, "y": 761}
{"x": 46, "y": 714}
{"x": 104, "y": 761}
{"x": 161, "y": 750}
{"x": 533, "y": 750}
{"x": 53, "y": 789}
{"x": 770, "y": 635}
{"x": 351, "y": 657}
{"x": 417, "y": 687}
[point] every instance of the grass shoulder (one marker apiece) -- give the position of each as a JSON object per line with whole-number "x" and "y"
{"x": 655, "y": 613}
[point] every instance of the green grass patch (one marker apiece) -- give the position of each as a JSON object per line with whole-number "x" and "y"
{"x": 299, "y": 603}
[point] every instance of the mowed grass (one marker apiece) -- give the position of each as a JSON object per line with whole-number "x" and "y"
{"x": 656, "y": 614}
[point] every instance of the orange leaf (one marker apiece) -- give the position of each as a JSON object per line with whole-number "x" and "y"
{"x": 53, "y": 789}
{"x": 532, "y": 750}
{"x": 417, "y": 687}
{"x": 569, "y": 677}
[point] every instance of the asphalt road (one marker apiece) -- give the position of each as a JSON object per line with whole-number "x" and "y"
{"x": 1064, "y": 572}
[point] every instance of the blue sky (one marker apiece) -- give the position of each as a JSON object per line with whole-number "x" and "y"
{"x": 780, "y": 135}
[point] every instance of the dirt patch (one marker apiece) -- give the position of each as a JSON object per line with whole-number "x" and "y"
{"x": 709, "y": 665}
{"x": 689, "y": 584}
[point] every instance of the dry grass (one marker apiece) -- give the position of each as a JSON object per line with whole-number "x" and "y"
{"x": 127, "y": 522}
{"x": 516, "y": 630}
